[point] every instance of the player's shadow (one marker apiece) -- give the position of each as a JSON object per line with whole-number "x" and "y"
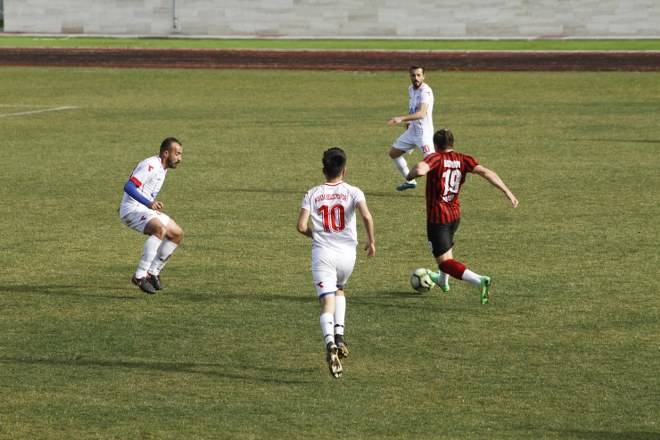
{"x": 605, "y": 435}
{"x": 621, "y": 141}
{"x": 298, "y": 192}
{"x": 252, "y": 297}
{"x": 78, "y": 291}
{"x": 235, "y": 372}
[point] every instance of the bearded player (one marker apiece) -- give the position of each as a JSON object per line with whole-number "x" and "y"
{"x": 139, "y": 210}
{"x": 419, "y": 125}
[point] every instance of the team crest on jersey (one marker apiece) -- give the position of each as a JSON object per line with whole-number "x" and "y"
{"x": 150, "y": 168}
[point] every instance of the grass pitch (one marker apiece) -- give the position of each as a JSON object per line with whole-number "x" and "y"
{"x": 232, "y": 348}
{"x": 333, "y": 44}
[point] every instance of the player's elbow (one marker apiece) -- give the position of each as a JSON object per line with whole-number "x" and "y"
{"x": 301, "y": 228}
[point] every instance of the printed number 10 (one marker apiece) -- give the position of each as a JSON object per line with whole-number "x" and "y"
{"x": 333, "y": 218}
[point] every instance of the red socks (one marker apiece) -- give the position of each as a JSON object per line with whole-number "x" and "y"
{"x": 453, "y": 268}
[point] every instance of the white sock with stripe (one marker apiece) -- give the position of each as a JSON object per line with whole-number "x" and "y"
{"x": 327, "y": 322}
{"x": 340, "y": 314}
{"x": 166, "y": 249}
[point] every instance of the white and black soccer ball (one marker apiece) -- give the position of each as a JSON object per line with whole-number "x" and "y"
{"x": 420, "y": 280}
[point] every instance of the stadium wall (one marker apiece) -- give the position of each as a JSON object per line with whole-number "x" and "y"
{"x": 339, "y": 18}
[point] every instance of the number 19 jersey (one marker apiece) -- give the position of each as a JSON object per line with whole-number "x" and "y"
{"x": 443, "y": 183}
{"x": 332, "y": 210}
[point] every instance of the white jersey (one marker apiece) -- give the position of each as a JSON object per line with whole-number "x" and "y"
{"x": 332, "y": 209}
{"x": 148, "y": 176}
{"x": 416, "y": 97}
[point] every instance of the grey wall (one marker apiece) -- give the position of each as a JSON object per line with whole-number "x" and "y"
{"x": 339, "y": 18}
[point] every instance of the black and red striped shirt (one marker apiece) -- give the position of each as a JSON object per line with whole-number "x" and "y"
{"x": 443, "y": 183}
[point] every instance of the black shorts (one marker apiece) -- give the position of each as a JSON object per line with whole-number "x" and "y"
{"x": 441, "y": 236}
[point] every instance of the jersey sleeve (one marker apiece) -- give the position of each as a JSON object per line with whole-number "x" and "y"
{"x": 432, "y": 160}
{"x": 426, "y": 96}
{"x": 469, "y": 163}
{"x": 141, "y": 173}
{"x": 307, "y": 202}
{"x": 358, "y": 196}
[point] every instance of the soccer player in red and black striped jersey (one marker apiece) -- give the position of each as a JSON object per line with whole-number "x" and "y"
{"x": 446, "y": 170}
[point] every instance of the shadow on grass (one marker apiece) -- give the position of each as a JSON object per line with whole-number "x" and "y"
{"x": 605, "y": 435}
{"x": 626, "y": 141}
{"x": 301, "y": 193}
{"x": 431, "y": 301}
{"x": 247, "y": 373}
{"x": 78, "y": 291}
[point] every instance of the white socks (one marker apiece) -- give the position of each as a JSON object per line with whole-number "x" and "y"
{"x": 471, "y": 277}
{"x": 401, "y": 165}
{"x": 327, "y": 327}
{"x": 443, "y": 278}
{"x": 166, "y": 249}
{"x": 340, "y": 314}
{"x": 151, "y": 246}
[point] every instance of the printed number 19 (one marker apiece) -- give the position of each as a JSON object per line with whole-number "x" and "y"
{"x": 452, "y": 181}
{"x": 333, "y": 218}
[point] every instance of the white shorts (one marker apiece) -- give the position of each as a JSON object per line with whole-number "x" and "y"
{"x": 331, "y": 270}
{"x": 138, "y": 218}
{"x": 408, "y": 142}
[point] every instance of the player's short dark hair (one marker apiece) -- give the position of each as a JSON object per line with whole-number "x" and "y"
{"x": 334, "y": 162}
{"x": 415, "y": 67}
{"x": 443, "y": 139}
{"x": 166, "y": 145}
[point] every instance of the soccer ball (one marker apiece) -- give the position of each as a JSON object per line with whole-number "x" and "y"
{"x": 420, "y": 280}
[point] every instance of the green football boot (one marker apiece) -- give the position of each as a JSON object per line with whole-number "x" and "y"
{"x": 435, "y": 277}
{"x": 485, "y": 289}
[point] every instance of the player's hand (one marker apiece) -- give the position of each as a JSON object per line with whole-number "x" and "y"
{"x": 371, "y": 249}
{"x": 156, "y": 205}
{"x": 514, "y": 201}
{"x": 394, "y": 121}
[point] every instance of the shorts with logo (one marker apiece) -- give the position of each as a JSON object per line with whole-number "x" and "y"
{"x": 138, "y": 217}
{"x": 441, "y": 236}
{"x": 408, "y": 141}
{"x": 331, "y": 269}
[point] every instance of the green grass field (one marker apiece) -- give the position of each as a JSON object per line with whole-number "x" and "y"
{"x": 276, "y": 43}
{"x": 232, "y": 349}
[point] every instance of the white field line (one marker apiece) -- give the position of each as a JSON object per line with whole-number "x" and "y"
{"x": 32, "y": 112}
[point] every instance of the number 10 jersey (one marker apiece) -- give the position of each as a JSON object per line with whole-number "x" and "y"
{"x": 332, "y": 210}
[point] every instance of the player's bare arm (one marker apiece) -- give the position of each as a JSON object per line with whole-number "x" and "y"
{"x": 368, "y": 220}
{"x": 303, "y": 223}
{"x": 418, "y": 170}
{"x": 495, "y": 180}
{"x": 419, "y": 114}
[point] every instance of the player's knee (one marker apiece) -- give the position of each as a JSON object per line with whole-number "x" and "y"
{"x": 158, "y": 230}
{"x": 393, "y": 153}
{"x": 175, "y": 234}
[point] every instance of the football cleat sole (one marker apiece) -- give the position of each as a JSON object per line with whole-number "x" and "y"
{"x": 334, "y": 365}
{"x": 342, "y": 351}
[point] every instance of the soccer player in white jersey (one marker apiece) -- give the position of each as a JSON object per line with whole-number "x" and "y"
{"x": 139, "y": 210}
{"x": 419, "y": 125}
{"x": 332, "y": 207}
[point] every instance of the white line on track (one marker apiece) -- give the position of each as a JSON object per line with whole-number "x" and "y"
{"x": 43, "y": 110}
